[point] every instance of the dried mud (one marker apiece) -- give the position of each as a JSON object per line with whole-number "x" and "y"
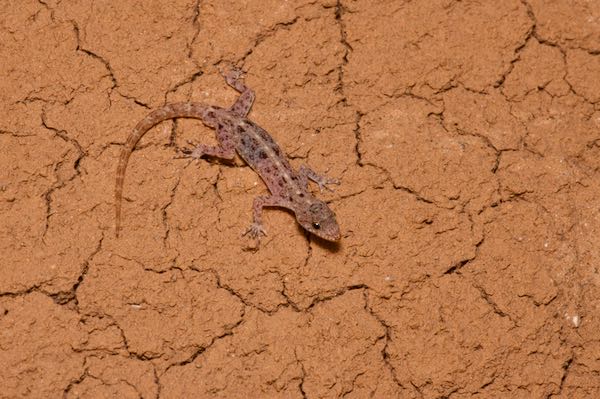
{"x": 467, "y": 138}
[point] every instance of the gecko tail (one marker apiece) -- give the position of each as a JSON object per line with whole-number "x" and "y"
{"x": 123, "y": 159}
{"x": 168, "y": 111}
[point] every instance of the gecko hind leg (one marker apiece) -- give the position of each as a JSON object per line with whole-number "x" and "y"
{"x": 200, "y": 150}
{"x": 306, "y": 173}
{"x": 244, "y": 102}
{"x": 225, "y": 149}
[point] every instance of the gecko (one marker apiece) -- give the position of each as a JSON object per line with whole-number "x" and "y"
{"x": 236, "y": 133}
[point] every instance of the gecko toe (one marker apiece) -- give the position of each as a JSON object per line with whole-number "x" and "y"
{"x": 183, "y": 153}
{"x": 323, "y": 185}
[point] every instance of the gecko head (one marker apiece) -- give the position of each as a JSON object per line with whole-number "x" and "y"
{"x": 318, "y": 219}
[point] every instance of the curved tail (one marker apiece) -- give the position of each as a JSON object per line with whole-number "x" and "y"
{"x": 169, "y": 111}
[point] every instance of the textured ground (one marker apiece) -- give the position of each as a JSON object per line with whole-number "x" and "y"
{"x": 467, "y": 138}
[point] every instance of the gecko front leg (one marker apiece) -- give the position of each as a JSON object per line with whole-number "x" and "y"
{"x": 256, "y": 229}
{"x": 306, "y": 173}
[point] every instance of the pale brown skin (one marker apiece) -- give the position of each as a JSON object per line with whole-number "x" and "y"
{"x": 236, "y": 133}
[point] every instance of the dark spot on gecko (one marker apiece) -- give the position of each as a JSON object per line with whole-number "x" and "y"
{"x": 211, "y": 114}
{"x": 262, "y": 154}
{"x": 220, "y": 126}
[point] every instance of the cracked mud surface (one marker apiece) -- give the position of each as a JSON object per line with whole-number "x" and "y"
{"x": 467, "y": 139}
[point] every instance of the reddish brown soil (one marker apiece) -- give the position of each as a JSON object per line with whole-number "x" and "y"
{"x": 467, "y": 138}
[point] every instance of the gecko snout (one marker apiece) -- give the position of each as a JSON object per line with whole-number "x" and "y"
{"x": 319, "y": 220}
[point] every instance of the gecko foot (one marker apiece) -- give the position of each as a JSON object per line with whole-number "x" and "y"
{"x": 231, "y": 75}
{"x": 255, "y": 231}
{"x": 235, "y": 78}
{"x": 323, "y": 181}
{"x": 195, "y": 152}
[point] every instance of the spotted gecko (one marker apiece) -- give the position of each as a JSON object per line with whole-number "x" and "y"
{"x": 235, "y": 132}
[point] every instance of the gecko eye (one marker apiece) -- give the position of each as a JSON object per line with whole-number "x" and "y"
{"x": 316, "y": 225}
